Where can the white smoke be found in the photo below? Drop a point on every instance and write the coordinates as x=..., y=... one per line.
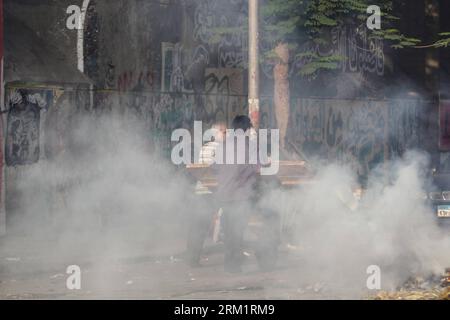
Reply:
x=108, y=196
x=114, y=196
x=392, y=226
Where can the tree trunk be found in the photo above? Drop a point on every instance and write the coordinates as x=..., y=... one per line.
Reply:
x=281, y=90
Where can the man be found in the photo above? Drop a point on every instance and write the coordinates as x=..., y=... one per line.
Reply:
x=202, y=215
x=208, y=151
x=236, y=190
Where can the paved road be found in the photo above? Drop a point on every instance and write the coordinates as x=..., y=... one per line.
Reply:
x=164, y=277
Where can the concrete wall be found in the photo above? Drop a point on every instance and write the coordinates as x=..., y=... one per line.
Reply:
x=2, y=180
x=359, y=133
x=171, y=75
x=163, y=64
x=43, y=90
x=47, y=20
x=40, y=122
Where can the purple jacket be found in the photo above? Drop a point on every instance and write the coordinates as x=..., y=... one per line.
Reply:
x=236, y=182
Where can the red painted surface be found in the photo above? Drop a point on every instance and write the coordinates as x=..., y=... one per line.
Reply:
x=1, y=31
x=2, y=205
x=444, y=125
x=254, y=117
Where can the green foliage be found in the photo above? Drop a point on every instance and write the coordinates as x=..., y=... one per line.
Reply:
x=444, y=42
x=319, y=63
x=299, y=21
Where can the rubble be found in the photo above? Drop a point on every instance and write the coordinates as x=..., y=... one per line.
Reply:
x=418, y=288
x=434, y=294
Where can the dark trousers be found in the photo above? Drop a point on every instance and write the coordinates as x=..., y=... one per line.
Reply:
x=199, y=225
x=235, y=220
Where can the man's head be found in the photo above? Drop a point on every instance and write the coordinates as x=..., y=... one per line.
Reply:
x=220, y=129
x=242, y=122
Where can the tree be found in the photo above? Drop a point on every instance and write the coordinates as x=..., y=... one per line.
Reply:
x=289, y=23
x=443, y=42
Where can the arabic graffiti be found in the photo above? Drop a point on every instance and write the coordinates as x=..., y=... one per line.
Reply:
x=359, y=53
x=362, y=133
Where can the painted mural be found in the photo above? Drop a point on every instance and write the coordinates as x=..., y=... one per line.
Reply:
x=23, y=126
x=39, y=121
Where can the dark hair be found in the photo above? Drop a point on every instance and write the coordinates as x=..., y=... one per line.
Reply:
x=241, y=122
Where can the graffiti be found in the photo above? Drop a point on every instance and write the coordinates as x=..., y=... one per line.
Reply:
x=353, y=132
x=405, y=118
x=209, y=18
x=232, y=48
x=23, y=123
x=204, y=21
x=183, y=68
x=196, y=68
x=177, y=77
x=183, y=71
x=360, y=54
x=130, y=80
x=164, y=112
x=361, y=133
x=224, y=81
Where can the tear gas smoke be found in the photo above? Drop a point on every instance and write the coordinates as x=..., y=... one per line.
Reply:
x=392, y=226
x=113, y=195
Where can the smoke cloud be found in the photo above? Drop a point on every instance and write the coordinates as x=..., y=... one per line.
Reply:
x=392, y=225
x=113, y=196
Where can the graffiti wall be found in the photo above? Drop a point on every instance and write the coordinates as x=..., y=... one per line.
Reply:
x=162, y=113
x=362, y=133
x=352, y=132
x=189, y=71
x=39, y=123
x=23, y=126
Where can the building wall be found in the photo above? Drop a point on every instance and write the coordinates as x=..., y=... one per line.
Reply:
x=2, y=181
x=40, y=122
x=47, y=19
x=161, y=62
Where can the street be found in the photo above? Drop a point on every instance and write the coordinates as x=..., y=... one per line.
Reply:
x=166, y=276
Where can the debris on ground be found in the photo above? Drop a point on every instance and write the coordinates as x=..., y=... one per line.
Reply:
x=435, y=294
x=418, y=288
x=446, y=278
